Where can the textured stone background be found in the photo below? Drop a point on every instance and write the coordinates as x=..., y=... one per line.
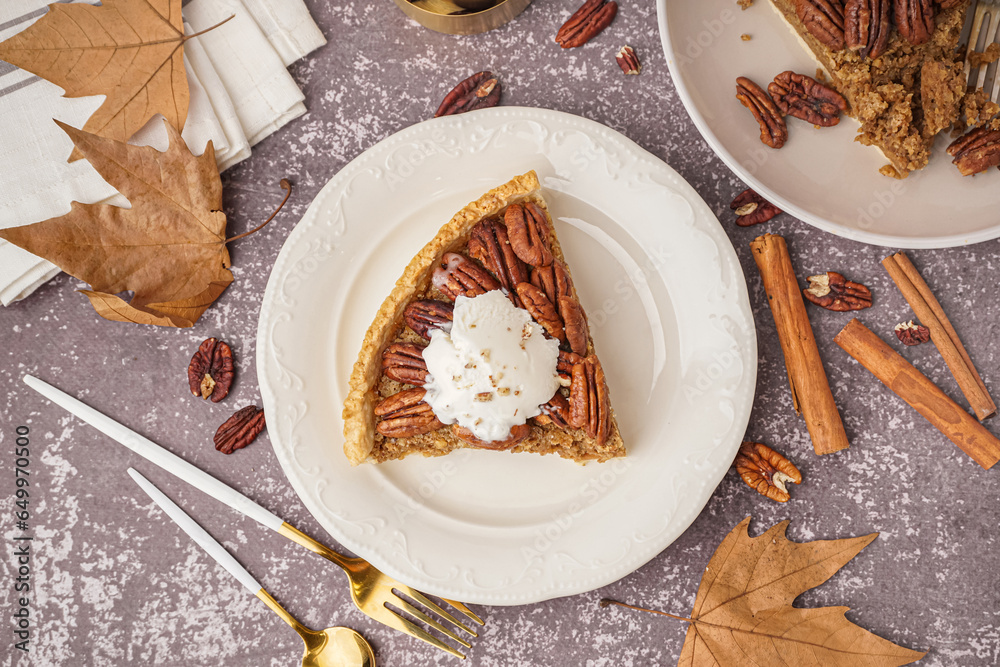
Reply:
x=114, y=585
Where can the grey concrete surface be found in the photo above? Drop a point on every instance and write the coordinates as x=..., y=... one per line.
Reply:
x=112, y=584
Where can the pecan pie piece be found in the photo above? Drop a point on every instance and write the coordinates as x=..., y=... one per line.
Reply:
x=502, y=241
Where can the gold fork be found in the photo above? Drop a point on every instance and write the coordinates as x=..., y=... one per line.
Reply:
x=983, y=30
x=373, y=593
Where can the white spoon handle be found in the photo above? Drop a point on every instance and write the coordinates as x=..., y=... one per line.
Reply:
x=153, y=453
x=197, y=533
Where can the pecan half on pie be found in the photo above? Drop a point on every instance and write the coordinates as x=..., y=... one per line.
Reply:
x=483, y=344
x=896, y=62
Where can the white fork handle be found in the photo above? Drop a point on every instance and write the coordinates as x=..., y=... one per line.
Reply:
x=197, y=533
x=153, y=453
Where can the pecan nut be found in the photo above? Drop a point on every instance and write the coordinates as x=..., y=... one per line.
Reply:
x=867, y=26
x=977, y=151
x=422, y=316
x=806, y=98
x=210, y=373
x=752, y=209
x=404, y=362
x=773, y=131
x=553, y=279
x=766, y=471
x=542, y=310
x=528, y=232
x=479, y=91
x=824, y=19
x=627, y=60
x=239, y=430
x=832, y=291
x=457, y=275
x=566, y=362
x=574, y=324
x=405, y=414
x=556, y=411
x=914, y=20
x=910, y=333
x=489, y=243
x=518, y=432
x=589, y=400
x=586, y=22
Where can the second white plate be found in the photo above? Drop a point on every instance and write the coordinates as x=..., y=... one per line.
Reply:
x=668, y=310
x=821, y=176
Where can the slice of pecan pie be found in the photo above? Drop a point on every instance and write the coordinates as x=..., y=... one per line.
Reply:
x=497, y=262
x=898, y=64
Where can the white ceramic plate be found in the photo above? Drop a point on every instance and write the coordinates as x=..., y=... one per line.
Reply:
x=821, y=176
x=669, y=313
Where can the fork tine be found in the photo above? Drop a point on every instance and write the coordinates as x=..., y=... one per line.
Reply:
x=407, y=607
x=430, y=604
x=398, y=622
x=465, y=610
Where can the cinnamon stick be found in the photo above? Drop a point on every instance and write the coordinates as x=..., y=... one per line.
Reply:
x=811, y=393
x=928, y=310
x=920, y=393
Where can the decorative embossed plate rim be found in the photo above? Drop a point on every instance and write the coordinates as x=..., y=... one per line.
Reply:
x=822, y=177
x=670, y=316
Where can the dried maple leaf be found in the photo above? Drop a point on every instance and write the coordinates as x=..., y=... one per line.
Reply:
x=168, y=249
x=129, y=50
x=743, y=613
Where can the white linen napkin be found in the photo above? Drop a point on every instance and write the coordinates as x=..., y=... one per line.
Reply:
x=240, y=94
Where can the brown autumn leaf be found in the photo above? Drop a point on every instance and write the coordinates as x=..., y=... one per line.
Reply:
x=129, y=50
x=743, y=613
x=168, y=249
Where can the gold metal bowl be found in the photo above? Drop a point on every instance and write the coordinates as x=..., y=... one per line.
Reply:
x=437, y=14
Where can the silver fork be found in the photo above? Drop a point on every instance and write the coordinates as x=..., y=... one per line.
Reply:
x=982, y=29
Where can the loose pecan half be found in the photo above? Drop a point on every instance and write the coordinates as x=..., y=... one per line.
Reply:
x=910, y=333
x=766, y=471
x=867, y=26
x=404, y=362
x=805, y=98
x=422, y=316
x=752, y=209
x=528, y=231
x=541, y=310
x=824, y=19
x=405, y=414
x=589, y=400
x=479, y=91
x=832, y=291
x=457, y=275
x=593, y=17
x=239, y=430
x=518, y=432
x=977, y=151
x=210, y=373
x=574, y=324
x=627, y=60
x=914, y=20
x=488, y=243
x=773, y=130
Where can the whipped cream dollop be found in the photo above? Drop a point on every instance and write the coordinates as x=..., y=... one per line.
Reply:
x=492, y=369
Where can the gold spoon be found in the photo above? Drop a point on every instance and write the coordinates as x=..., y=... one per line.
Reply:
x=332, y=647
